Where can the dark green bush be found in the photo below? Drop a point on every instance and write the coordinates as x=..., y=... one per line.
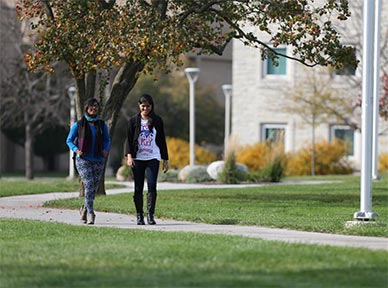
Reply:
x=272, y=172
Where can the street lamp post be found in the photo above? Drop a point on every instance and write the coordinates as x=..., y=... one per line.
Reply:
x=227, y=89
x=192, y=75
x=71, y=92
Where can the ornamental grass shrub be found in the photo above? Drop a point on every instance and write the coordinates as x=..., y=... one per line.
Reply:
x=179, y=153
x=383, y=162
x=272, y=172
x=330, y=158
x=261, y=155
x=230, y=173
x=266, y=161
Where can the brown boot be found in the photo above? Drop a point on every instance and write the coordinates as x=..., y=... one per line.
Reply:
x=91, y=218
x=83, y=213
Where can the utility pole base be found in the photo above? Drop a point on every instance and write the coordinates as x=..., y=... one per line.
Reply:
x=350, y=224
x=365, y=216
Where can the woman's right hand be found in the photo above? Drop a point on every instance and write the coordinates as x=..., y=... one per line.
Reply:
x=130, y=161
x=79, y=152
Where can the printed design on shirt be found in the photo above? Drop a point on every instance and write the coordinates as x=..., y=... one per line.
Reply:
x=145, y=139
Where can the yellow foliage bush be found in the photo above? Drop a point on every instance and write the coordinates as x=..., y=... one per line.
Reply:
x=253, y=156
x=257, y=156
x=329, y=159
x=383, y=162
x=179, y=153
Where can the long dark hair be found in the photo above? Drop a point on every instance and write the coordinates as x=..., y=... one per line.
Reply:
x=90, y=102
x=144, y=99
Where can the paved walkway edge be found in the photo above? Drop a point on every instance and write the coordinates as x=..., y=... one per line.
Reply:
x=30, y=207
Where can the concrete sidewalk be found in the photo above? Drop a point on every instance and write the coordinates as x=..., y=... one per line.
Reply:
x=30, y=207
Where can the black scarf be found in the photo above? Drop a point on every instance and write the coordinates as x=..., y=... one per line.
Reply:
x=85, y=136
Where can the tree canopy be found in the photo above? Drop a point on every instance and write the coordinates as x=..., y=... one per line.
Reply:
x=99, y=34
x=134, y=36
x=140, y=36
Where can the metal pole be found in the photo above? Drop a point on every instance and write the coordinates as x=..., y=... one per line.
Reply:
x=71, y=92
x=192, y=124
x=192, y=75
x=376, y=90
x=227, y=89
x=367, y=99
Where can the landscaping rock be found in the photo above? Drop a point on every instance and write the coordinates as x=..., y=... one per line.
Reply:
x=123, y=173
x=215, y=168
x=193, y=174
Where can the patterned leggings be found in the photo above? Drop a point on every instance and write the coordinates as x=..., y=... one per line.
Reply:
x=90, y=173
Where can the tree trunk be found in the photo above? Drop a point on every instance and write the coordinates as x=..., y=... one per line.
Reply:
x=313, y=150
x=28, y=150
x=81, y=187
x=123, y=83
x=101, y=187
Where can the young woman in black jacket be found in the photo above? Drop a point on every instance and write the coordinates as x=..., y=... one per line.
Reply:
x=146, y=147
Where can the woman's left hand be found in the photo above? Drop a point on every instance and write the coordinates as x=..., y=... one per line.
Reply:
x=165, y=166
x=104, y=153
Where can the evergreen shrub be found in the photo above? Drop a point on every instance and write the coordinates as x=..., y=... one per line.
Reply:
x=230, y=173
x=272, y=172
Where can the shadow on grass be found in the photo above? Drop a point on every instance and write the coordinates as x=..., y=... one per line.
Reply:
x=116, y=275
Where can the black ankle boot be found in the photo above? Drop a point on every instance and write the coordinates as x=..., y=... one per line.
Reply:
x=140, y=219
x=150, y=219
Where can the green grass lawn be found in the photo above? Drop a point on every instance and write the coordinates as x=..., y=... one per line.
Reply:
x=37, y=254
x=320, y=208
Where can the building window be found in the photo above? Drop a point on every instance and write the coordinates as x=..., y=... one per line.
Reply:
x=343, y=133
x=346, y=71
x=273, y=133
x=281, y=67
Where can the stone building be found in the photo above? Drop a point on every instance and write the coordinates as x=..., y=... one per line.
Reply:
x=259, y=89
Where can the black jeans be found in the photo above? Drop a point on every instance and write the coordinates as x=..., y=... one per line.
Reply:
x=151, y=167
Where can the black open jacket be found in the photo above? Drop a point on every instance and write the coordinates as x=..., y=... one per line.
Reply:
x=133, y=131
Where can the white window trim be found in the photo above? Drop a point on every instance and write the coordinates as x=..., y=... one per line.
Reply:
x=273, y=76
x=273, y=126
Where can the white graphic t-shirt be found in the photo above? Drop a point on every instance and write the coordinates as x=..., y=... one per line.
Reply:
x=147, y=146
